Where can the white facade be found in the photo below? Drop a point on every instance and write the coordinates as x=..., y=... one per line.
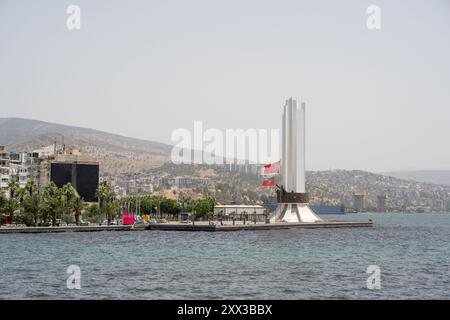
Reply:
x=239, y=209
x=4, y=169
x=21, y=167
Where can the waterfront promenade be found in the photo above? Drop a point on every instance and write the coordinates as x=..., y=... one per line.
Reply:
x=198, y=226
x=10, y=229
x=239, y=226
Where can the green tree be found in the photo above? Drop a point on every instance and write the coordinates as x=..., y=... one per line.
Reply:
x=106, y=196
x=49, y=197
x=170, y=207
x=11, y=206
x=69, y=192
x=31, y=188
x=205, y=206
x=55, y=207
x=187, y=203
x=92, y=213
x=67, y=218
x=148, y=204
x=265, y=214
x=34, y=206
x=13, y=187
x=78, y=206
x=111, y=210
x=2, y=205
x=56, y=202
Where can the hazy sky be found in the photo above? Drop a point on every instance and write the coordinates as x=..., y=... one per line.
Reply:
x=377, y=100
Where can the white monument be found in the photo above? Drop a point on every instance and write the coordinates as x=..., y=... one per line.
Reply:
x=291, y=195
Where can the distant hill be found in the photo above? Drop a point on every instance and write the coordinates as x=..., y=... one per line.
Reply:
x=432, y=176
x=332, y=187
x=116, y=153
x=402, y=194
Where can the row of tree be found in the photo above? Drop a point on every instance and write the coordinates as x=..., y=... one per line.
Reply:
x=163, y=207
x=32, y=207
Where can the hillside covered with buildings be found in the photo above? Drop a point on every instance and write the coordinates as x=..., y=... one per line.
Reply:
x=142, y=167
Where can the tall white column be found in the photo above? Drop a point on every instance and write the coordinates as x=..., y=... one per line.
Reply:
x=301, y=146
x=293, y=146
x=288, y=171
x=283, y=149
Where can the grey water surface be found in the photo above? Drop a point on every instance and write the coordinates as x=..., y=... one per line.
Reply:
x=411, y=250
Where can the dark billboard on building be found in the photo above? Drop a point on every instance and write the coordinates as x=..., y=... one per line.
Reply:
x=83, y=177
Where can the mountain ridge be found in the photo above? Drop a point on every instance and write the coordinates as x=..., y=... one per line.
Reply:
x=57, y=128
x=114, y=152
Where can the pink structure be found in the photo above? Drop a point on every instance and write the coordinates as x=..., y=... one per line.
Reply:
x=127, y=218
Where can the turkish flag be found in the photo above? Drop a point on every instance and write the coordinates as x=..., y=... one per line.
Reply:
x=273, y=168
x=269, y=183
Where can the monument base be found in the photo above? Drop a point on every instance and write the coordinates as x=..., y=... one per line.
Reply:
x=294, y=212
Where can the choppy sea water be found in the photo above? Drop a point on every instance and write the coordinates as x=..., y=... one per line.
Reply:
x=412, y=251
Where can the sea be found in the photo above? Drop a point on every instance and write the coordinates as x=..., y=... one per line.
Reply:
x=404, y=256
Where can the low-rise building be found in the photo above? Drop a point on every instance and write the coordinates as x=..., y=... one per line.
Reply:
x=81, y=171
x=238, y=212
x=360, y=201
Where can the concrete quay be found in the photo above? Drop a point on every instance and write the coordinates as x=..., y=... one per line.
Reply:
x=258, y=226
x=199, y=226
x=9, y=229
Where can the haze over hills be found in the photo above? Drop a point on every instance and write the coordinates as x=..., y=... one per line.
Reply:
x=332, y=187
x=114, y=152
x=431, y=176
x=123, y=158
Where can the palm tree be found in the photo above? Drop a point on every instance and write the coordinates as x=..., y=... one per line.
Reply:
x=11, y=206
x=2, y=205
x=265, y=214
x=13, y=187
x=77, y=207
x=21, y=195
x=31, y=188
x=105, y=195
x=69, y=192
x=111, y=210
x=55, y=208
x=50, y=197
x=34, y=205
x=93, y=213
